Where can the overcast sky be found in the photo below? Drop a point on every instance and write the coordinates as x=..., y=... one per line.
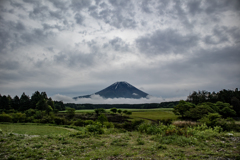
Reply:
x=70, y=48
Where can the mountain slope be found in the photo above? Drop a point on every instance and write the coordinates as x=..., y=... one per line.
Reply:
x=119, y=90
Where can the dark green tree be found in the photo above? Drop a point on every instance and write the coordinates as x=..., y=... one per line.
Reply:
x=70, y=112
x=42, y=104
x=16, y=103
x=236, y=105
x=182, y=108
x=5, y=103
x=24, y=102
x=99, y=111
x=36, y=97
x=102, y=118
x=114, y=110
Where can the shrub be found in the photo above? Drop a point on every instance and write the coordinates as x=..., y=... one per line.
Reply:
x=5, y=117
x=30, y=112
x=87, y=122
x=29, y=119
x=166, y=121
x=79, y=122
x=108, y=124
x=114, y=110
x=59, y=121
x=46, y=119
x=18, y=117
x=102, y=118
x=38, y=115
x=70, y=112
x=95, y=128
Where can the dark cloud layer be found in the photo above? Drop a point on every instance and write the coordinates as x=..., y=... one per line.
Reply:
x=166, y=48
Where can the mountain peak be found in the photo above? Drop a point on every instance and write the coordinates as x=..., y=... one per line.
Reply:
x=119, y=89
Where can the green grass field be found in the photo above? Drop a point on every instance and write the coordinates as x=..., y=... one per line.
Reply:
x=113, y=144
x=154, y=115
x=32, y=129
x=132, y=110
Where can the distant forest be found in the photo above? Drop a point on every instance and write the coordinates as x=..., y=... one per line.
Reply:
x=225, y=96
x=39, y=101
x=132, y=106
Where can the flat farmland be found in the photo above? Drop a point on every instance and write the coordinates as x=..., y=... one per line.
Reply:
x=154, y=115
x=132, y=110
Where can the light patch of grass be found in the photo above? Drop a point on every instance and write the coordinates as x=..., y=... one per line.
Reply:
x=132, y=110
x=154, y=115
x=33, y=129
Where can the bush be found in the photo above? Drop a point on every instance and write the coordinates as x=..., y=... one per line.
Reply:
x=79, y=122
x=38, y=115
x=5, y=117
x=30, y=112
x=18, y=117
x=166, y=121
x=108, y=124
x=95, y=128
x=87, y=122
x=102, y=118
x=46, y=119
x=59, y=121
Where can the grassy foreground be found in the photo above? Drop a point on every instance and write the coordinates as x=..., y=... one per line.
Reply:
x=113, y=144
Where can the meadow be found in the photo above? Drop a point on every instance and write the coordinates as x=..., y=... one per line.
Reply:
x=58, y=142
x=132, y=110
x=87, y=139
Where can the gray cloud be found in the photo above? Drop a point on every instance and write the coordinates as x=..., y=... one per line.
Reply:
x=117, y=44
x=77, y=5
x=166, y=41
x=120, y=16
x=79, y=18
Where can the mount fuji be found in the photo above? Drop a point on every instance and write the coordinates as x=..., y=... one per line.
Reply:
x=119, y=90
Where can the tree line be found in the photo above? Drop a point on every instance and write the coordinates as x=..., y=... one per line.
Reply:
x=38, y=101
x=130, y=106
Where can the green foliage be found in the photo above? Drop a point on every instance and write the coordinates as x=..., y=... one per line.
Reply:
x=70, y=112
x=214, y=120
x=140, y=141
x=5, y=117
x=167, y=121
x=182, y=108
x=30, y=112
x=125, y=111
x=79, y=122
x=38, y=115
x=114, y=110
x=18, y=117
x=102, y=118
x=236, y=105
x=119, y=111
x=129, y=113
x=59, y=121
x=99, y=111
x=199, y=111
x=95, y=128
x=108, y=124
x=211, y=119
